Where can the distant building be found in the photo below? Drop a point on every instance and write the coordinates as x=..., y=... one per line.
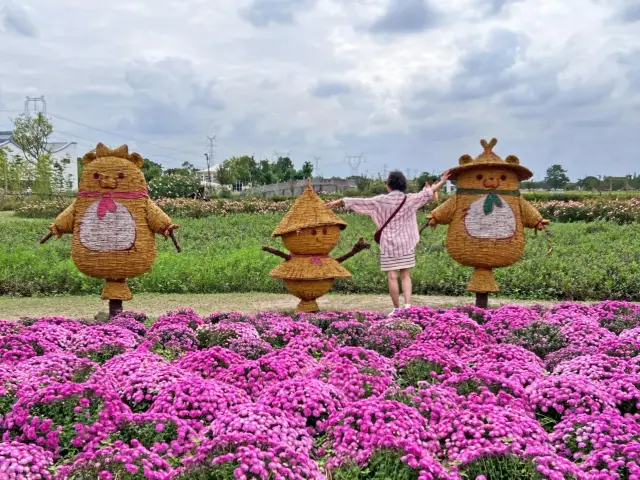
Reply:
x=57, y=150
x=203, y=176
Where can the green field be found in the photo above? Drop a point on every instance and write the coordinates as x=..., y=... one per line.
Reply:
x=222, y=254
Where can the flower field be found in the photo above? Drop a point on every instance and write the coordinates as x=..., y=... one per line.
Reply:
x=510, y=393
x=587, y=209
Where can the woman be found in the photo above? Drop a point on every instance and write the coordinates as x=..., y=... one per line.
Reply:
x=400, y=237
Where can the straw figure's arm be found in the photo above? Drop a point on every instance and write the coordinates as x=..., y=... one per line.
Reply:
x=159, y=222
x=357, y=248
x=531, y=218
x=277, y=253
x=443, y=214
x=62, y=224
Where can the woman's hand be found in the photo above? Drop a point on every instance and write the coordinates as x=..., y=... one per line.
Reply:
x=334, y=203
x=443, y=180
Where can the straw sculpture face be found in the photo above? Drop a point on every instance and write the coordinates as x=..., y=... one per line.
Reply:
x=313, y=241
x=489, y=178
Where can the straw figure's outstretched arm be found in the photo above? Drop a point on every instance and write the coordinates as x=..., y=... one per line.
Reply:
x=443, y=214
x=159, y=222
x=62, y=224
x=277, y=253
x=531, y=218
x=357, y=248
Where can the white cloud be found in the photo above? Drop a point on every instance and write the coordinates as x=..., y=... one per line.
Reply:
x=410, y=84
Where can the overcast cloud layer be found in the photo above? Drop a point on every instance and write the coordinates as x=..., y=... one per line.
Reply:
x=409, y=83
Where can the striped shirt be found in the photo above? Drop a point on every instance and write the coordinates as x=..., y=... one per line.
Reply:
x=401, y=236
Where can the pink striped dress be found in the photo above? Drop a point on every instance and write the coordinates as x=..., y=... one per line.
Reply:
x=399, y=238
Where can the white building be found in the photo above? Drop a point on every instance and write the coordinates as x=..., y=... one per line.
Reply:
x=57, y=150
x=203, y=176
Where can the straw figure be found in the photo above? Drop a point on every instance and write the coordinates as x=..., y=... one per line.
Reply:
x=113, y=222
x=487, y=216
x=310, y=231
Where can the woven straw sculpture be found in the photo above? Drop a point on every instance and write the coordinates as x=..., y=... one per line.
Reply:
x=487, y=215
x=113, y=221
x=310, y=231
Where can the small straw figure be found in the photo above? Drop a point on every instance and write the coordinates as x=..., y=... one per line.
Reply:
x=310, y=231
x=113, y=222
x=487, y=216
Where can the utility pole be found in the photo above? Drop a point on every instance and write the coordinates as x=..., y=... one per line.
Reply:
x=354, y=162
x=210, y=158
x=36, y=100
x=384, y=172
x=317, y=166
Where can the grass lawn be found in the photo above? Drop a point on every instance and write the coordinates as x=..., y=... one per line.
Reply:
x=12, y=308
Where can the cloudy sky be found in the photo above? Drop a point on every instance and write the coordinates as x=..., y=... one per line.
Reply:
x=412, y=84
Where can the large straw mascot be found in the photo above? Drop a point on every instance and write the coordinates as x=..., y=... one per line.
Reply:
x=487, y=215
x=113, y=221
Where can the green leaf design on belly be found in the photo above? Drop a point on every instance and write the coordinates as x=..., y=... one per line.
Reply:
x=491, y=201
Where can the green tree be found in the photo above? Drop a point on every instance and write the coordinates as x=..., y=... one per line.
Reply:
x=151, y=170
x=223, y=173
x=4, y=169
x=43, y=175
x=284, y=169
x=589, y=183
x=556, y=177
x=31, y=135
x=60, y=181
x=267, y=173
x=306, y=171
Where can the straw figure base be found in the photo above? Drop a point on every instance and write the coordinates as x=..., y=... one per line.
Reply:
x=483, y=281
x=116, y=289
x=308, y=291
x=115, y=308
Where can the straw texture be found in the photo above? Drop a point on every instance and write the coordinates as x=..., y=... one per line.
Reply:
x=489, y=159
x=486, y=216
x=113, y=221
x=308, y=211
x=310, y=231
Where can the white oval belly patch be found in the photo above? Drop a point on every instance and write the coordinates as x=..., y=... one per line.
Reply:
x=498, y=224
x=115, y=231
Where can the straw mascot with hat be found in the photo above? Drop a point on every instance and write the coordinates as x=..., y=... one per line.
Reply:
x=487, y=215
x=310, y=231
x=113, y=222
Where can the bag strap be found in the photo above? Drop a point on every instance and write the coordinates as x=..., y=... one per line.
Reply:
x=404, y=200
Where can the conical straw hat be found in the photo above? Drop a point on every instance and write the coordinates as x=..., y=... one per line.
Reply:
x=308, y=211
x=489, y=159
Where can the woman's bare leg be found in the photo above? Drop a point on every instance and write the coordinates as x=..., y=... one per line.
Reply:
x=394, y=290
x=407, y=286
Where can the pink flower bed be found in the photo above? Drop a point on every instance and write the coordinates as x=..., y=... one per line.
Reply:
x=465, y=393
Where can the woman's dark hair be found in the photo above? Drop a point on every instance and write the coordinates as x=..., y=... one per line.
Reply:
x=397, y=181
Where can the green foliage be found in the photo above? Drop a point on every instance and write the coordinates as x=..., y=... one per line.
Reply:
x=6, y=403
x=67, y=413
x=498, y=467
x=31, y=135
x=177, y=183
x=419, y=371
x=383, y=465
x=223, y=255
x=538, y=337
x=145, y=432
x=245, y=169
x=151, y=170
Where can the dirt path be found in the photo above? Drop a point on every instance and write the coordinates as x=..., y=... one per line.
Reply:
x=13, y=308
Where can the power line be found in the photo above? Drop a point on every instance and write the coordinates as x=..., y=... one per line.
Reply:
x=65, y=119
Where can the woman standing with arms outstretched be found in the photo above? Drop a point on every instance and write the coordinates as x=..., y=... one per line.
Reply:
x=395, y=213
